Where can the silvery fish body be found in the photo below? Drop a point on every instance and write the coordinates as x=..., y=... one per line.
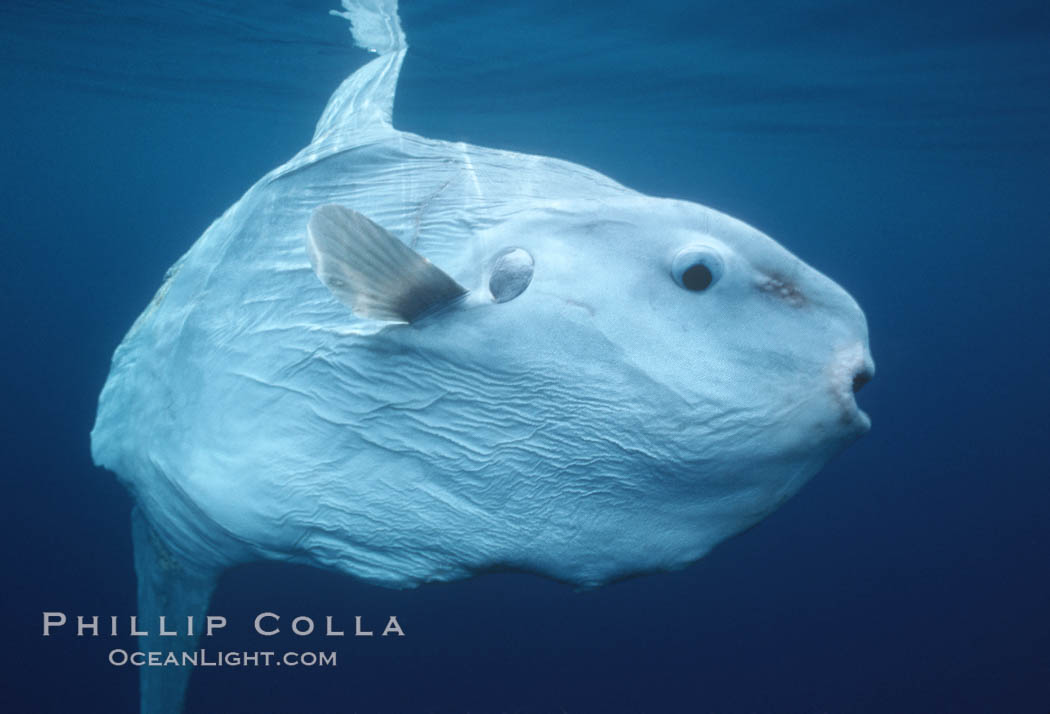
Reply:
x=411, y=361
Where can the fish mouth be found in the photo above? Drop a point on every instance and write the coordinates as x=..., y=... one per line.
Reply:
x=850, y=370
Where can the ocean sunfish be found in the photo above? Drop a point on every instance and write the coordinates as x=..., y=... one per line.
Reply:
x=413, y=361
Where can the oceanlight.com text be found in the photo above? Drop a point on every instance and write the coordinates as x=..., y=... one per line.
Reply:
x=205, y=658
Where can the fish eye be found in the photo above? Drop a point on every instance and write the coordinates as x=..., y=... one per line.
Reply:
x=511, y=274
x=696, y=268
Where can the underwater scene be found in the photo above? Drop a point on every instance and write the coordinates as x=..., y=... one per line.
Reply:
x=437, y=356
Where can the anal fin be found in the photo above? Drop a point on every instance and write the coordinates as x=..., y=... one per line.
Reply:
x=166, y=587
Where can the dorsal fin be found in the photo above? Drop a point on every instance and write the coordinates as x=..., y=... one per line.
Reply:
x=366, y=98
x=373, y=272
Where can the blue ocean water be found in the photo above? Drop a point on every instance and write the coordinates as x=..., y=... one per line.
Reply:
x=902, y=150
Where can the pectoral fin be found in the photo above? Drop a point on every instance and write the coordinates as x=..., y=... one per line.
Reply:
x=373, y=272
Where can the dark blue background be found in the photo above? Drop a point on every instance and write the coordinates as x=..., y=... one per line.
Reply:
x=903, y=151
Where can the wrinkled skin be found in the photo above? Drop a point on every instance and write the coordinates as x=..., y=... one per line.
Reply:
x=605, y=422
x=615, y=417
